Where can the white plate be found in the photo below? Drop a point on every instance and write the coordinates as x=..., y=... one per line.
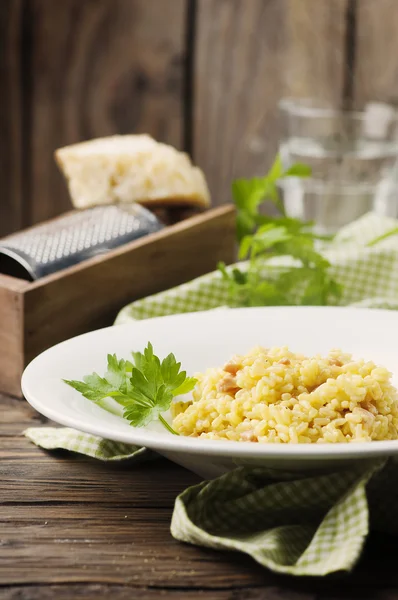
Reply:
x=206, y=339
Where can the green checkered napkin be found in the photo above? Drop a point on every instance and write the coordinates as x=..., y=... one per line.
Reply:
x=301, y=523
x=54, y=438
x=369, y=275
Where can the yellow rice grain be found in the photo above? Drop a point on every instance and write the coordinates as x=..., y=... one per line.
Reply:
x=283, y=397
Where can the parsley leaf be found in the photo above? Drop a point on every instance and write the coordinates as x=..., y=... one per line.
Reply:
x=144, y=388
x=93, y=387
x=263, y=237
x=248, y=194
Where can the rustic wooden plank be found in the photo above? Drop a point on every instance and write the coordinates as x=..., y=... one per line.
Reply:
x=376, y=51
x=78, y=528
x=100, y=67
x=11, y=153
x=11, y=332
x=150, y=557
x=315, y=59
x=65, y=518
x=119, y=592
x=17, y=416
x=248, y=56
x=55, y=477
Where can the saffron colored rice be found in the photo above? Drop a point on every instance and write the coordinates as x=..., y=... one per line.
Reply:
x=276, y=396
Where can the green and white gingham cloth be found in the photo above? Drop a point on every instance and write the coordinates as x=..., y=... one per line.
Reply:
x=294, y=523
x=369, y=275
x=65, y=438
x=290, y=523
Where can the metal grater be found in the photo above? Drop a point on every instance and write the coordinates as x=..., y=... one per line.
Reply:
x=72, y=238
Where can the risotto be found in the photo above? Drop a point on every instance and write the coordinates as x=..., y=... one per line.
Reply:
x=276, y=396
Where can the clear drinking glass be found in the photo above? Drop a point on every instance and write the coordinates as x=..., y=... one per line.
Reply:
x=352, y=156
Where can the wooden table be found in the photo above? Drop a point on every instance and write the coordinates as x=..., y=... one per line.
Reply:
x=73, y=527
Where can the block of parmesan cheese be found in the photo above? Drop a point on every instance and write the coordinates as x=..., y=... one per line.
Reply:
x=131, y=168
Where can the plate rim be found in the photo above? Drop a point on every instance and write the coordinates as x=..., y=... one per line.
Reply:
x=220, y=448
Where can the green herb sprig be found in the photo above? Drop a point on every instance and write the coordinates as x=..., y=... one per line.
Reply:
x=262, y=238
x=143, y=388
x=384, y=236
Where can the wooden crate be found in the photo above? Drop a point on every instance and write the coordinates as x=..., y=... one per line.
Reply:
x=34, y=316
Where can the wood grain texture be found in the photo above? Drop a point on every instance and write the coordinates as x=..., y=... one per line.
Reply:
x=11, y=153
x=100, y=67
x=119, y=592
x=315, y=58
x=248, y=56
x=74, y=527
x=11, y=332
x=146, y=266
x=376, y=51
x=66, y=518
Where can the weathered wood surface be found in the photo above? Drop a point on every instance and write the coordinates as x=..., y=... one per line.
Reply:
x=73, y=527
x=11, y=115
x=248, y=56
x=11, y=332
x=99, y=67
x=376, y=52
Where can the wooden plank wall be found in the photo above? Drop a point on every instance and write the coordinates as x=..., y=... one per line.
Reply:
x=11, y=203
x=376, y=56
x=204, y=75
x=113, y=67
x=248, y=56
